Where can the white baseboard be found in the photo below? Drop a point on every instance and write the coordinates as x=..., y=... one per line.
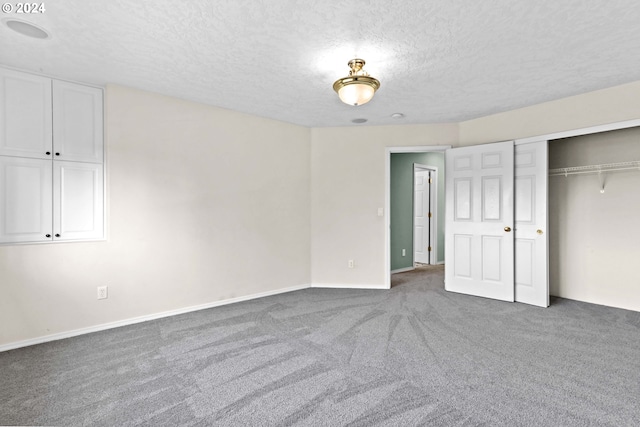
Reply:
x=350, y=286
x=134, y=320
x=402, y=270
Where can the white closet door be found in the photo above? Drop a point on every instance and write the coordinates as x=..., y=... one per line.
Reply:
x=25, y=115
x=532, y=271
x=78, y=201
x=25, y=200
x=479, y=219
x=77, y=123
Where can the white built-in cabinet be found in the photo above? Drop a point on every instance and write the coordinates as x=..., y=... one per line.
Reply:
x=51, y=160
x=26, y=196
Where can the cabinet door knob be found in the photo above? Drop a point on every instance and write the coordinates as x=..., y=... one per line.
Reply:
x=47, y=235
x=48, y=153
x=57, y=154
x=57, y=235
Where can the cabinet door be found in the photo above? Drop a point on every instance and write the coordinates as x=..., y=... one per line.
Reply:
x=25, y=115
x=78, y=211
x=77, y=123
x=25, y=200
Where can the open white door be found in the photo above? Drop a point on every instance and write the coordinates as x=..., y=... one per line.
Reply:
x=531, y=246
x=479, y=218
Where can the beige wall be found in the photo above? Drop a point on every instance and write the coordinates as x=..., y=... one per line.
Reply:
x=594, y=236
x=606, y=106
x=205, y=204
x=347, y=188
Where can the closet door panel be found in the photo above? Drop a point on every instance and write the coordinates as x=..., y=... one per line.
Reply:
x=78, y=201
x=532, y=244
x=25, y=200
x=25, y=115
x=479, y=221
x=77, y=123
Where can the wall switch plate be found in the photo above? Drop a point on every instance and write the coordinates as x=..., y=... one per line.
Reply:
x=404, y=252
x=351, y=264
x=103, y=292
x=380, y=211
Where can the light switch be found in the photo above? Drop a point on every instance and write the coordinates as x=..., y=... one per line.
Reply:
x=380, y=211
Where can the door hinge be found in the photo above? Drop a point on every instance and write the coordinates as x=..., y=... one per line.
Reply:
x=429, y=249
x=430, y=181
x=429, y=214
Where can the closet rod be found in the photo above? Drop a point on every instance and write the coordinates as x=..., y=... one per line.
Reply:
x=608, y=167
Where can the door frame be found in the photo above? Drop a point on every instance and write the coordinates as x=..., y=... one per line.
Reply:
x=433, y=203
x=579, y=132
x=387, y=197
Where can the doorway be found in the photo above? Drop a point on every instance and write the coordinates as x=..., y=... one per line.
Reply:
x=399, y=217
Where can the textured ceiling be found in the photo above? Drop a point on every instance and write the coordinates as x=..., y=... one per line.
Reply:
x=437, y=61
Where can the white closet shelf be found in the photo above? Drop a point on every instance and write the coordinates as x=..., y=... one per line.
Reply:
x=608, y=167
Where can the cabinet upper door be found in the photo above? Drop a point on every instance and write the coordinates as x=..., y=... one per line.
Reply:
x=25, y=115
x=25, y=200
x=77, y=123
x=78, y=210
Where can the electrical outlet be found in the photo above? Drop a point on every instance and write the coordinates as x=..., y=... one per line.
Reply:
x=103, y=292
x=404, y=252
x=350, y=263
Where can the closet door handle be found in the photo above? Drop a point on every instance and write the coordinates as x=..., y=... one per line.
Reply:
x=57, y=154
x=57, y=235
x=539, y=231
x=48, y=153
x=507, y=229
x=47, y=235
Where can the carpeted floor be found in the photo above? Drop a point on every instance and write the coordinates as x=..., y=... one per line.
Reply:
x=414, y=355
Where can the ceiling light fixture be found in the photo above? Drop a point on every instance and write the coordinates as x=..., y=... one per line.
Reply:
x=358, y=87
x=27, y=28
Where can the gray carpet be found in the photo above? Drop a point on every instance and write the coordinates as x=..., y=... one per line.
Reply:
x=414, y=355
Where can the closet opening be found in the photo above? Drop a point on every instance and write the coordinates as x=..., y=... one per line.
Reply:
x=593, y=218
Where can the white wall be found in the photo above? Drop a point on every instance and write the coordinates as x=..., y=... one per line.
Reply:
x=594, y=248
x=347, y=188
x=205, y=204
